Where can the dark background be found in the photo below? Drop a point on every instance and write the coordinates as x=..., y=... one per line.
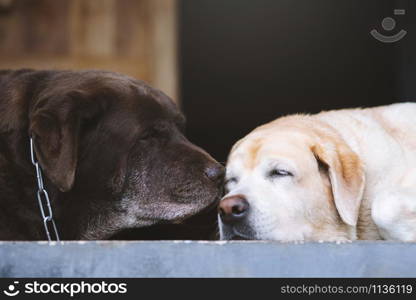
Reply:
x=246, y=62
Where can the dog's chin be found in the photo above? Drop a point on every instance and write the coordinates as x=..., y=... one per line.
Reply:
x=237, y=237
x=233, y=234
x=208, y=208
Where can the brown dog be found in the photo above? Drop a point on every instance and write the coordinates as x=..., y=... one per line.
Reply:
x=112, y=150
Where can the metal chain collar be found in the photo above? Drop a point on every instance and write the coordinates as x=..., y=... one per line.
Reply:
x=43, y=199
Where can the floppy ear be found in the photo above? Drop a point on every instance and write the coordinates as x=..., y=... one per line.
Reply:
x=55, y=126
x=346, y=174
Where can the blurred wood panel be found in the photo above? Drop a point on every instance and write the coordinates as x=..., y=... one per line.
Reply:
x=135, y=37
x=132, y=28
x=122, y=65
x=164, y=47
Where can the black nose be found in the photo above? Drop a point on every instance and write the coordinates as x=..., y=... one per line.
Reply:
x=215, y=172
x=233, y=208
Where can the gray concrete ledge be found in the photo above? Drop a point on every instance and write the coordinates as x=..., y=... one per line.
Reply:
x=207, y=259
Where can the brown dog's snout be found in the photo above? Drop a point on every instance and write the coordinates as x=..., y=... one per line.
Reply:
x=233, y=208
x=215, y=172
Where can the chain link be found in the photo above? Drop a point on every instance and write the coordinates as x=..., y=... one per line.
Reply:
x=43, y=199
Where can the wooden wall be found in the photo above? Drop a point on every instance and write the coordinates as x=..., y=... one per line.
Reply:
x=135, y=37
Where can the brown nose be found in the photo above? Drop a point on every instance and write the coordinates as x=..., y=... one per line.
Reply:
x=233, y=208
x=215, y=172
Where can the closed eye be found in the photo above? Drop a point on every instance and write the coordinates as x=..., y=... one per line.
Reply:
x=231, y=180
x=156, y=131
x=278, y=173
x=149, y=133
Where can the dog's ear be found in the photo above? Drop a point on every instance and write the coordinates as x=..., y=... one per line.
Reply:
x=346, y=174
x=55, y=127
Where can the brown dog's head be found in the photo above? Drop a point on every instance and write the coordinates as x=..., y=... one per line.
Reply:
x=114, y=149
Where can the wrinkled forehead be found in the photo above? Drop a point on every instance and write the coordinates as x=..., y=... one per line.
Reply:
x=261, y=148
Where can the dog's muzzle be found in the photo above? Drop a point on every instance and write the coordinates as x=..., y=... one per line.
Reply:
x=233, y=209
